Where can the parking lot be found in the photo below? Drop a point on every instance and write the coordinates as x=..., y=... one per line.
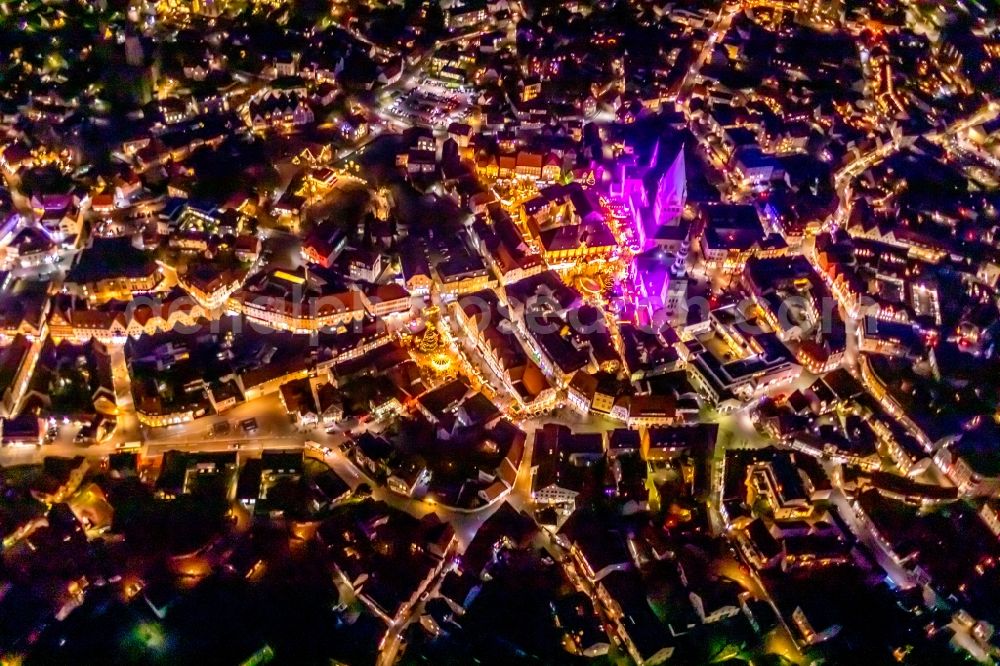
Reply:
x=433, y=102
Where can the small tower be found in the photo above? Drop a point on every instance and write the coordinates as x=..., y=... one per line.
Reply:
x=680, y=262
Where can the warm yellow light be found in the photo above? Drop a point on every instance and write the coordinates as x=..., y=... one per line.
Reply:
x=288, y=277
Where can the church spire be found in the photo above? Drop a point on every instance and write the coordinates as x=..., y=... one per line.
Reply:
x=671, y=191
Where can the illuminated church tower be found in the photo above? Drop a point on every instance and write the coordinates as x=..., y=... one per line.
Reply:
x=667, y=205
x=671, y=192
x=652, y=210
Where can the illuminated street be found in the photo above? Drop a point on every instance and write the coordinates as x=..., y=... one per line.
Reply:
x=499, y=332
